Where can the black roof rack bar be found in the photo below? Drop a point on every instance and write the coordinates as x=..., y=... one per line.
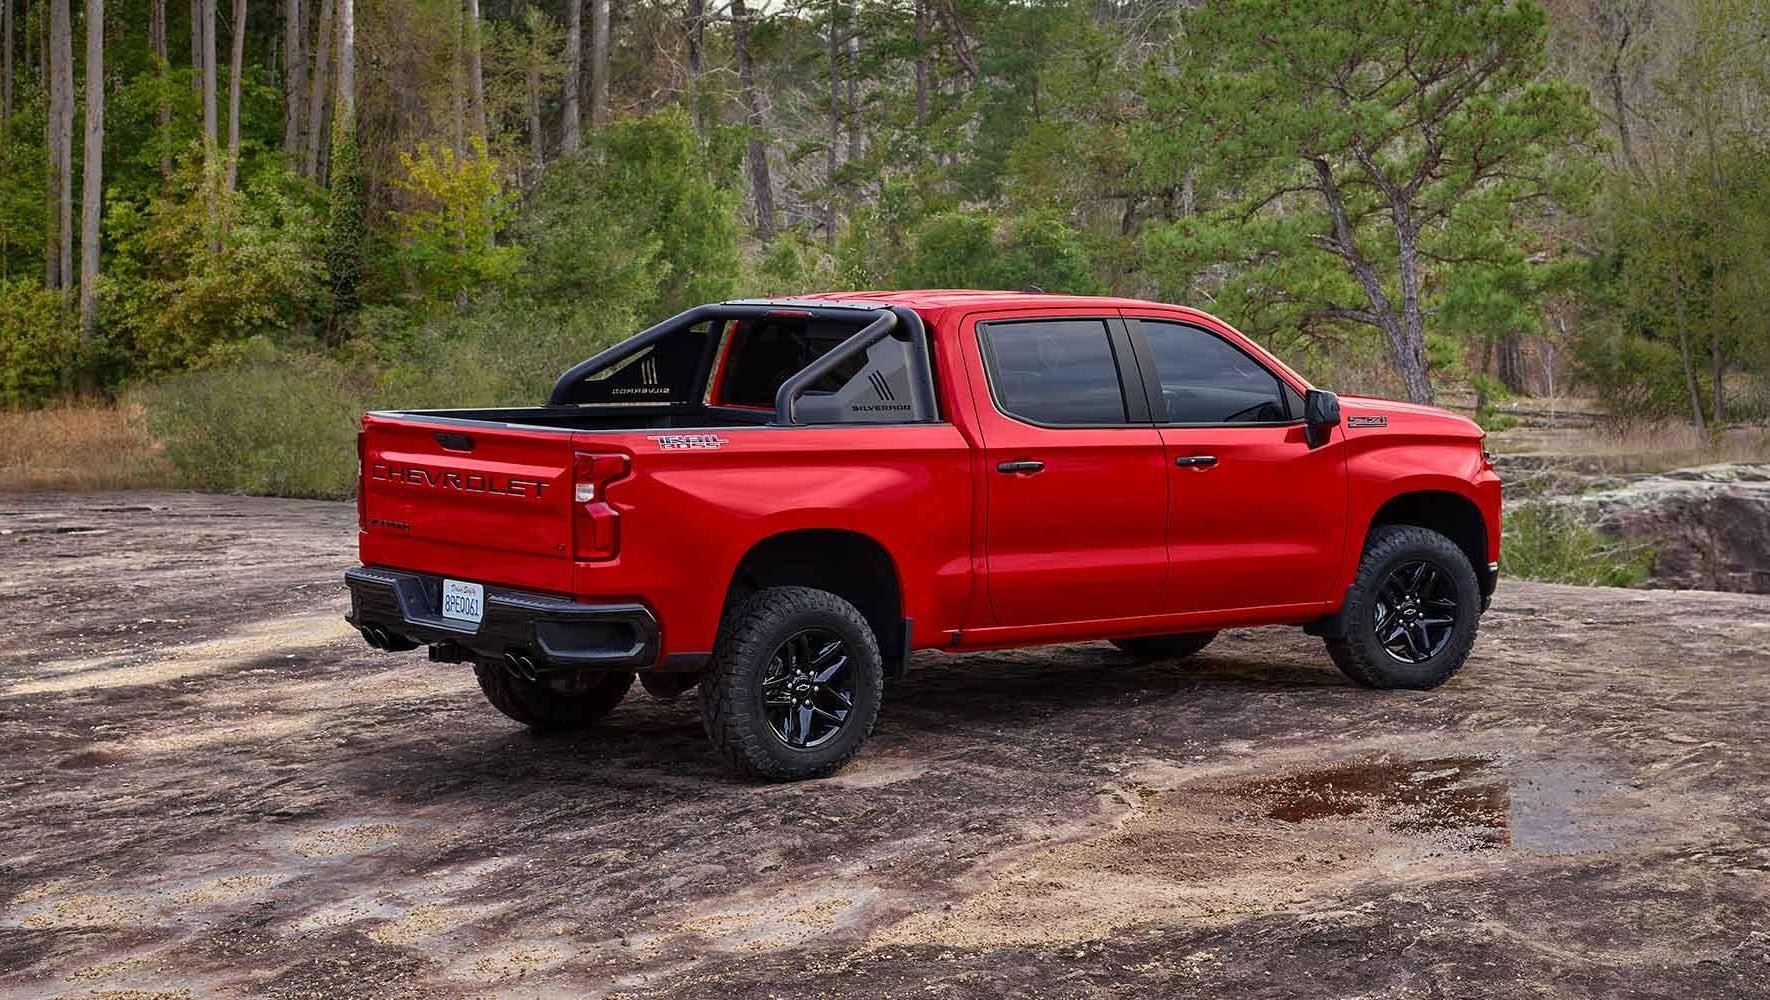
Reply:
x=753, y=309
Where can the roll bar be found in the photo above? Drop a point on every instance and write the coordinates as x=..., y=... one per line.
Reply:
x=886, y=320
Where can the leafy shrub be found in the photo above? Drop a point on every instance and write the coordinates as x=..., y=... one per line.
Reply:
x=1549, y=541
x=38, y=343
x=261, y=422
x=448, y=237
x=169, y=300
x=970, y=250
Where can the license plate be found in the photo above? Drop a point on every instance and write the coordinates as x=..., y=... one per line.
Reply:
x=463, y=601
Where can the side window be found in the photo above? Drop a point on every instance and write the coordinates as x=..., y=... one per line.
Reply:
x=1207, y=380
x=1055, y=371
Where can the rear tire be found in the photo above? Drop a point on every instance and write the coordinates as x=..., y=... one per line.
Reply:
x=794, y=685
x=547, y=708
x=1411, y=613
x=1165, y=647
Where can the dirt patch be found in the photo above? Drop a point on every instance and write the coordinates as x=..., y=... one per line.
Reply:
x=213, y=790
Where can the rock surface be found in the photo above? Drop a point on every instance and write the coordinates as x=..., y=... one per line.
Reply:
x=1708, y=527
x=212, y=789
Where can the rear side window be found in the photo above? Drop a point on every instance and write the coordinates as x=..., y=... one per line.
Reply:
x=1055, y=371
x=1207, y=380
x=873, y=387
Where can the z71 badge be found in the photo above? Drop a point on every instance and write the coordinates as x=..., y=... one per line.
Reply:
x=1367, y=421
x=688, y=442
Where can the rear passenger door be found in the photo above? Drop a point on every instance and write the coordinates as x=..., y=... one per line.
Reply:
x=1256, y=515
x=1075, y=479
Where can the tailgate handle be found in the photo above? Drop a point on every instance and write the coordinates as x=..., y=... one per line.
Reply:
x=453, y=441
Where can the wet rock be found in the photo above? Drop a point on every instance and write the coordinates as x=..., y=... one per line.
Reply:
x=1708, y=527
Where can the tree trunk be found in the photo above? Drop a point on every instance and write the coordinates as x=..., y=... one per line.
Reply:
x=476, y=87
x=6, y=69
x=346, y=112
x=761, y=187
x=458, y=85
x=91, y=185
x=1680, y=315
x=534, y=82
x=294, y=74
x=197, y=46
x=696, y=32
x=61, y=144
x=1510, y=362
x=599, y=35
x=163, y=113
x=571, y=129
x=835, y=129
x=318, y=88
x=854, y=130
x=1411, y=352
x=211, y=122
x=921, y=63
x=236, y=65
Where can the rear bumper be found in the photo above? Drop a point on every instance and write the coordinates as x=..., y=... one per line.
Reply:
x=551, y=631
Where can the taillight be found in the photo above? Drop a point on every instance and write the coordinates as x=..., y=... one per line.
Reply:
x=362, y=481
x=596, y=525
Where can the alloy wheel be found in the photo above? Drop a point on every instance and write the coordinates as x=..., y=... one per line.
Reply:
x=1415, y=611
x=808, y=691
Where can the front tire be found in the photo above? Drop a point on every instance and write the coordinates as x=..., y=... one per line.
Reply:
x=551, y=709
x=1165, y=647
x=1411, y=613
x=794, y=685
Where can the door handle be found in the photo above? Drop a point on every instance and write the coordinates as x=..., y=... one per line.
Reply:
x=1028, y=466
x=1195, y=461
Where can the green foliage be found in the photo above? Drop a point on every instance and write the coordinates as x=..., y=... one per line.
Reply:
x=1337, y=145
x=344, y=220
x=1549, y=541
x=643, y=210
x=169, y=299
x=969, y=250
x=264, y=422
x=39, y=343
x=448, y=237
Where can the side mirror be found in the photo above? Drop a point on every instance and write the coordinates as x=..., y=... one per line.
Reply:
x=1321, y=414
x=1321, y=408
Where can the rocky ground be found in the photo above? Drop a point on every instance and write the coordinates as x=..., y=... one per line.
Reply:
x=211, y=788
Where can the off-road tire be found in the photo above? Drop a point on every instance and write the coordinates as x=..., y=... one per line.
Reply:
x=1360, y=655
x=732, y=708
x=548, y=709
x=1165, y=647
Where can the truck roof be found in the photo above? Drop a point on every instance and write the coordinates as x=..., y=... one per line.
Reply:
x=929, y=299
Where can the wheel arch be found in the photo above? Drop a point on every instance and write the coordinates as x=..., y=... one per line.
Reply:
x=850, y=564
x=1447, y=512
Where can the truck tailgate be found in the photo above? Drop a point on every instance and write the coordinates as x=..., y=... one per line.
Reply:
x=479, y=501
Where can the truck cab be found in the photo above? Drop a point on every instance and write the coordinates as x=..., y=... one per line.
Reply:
x=777, y=501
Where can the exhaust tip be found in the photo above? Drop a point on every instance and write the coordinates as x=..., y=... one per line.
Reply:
x=374, y=637
x=521, y=666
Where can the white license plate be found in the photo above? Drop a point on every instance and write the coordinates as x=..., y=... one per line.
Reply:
x=463, y=601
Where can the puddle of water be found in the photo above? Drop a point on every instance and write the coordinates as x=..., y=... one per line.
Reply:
x=1457, y=796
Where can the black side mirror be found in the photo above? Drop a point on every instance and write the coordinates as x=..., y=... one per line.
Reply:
x=1321, y=414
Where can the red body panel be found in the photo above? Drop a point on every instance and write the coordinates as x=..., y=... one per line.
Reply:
x=1110, y=539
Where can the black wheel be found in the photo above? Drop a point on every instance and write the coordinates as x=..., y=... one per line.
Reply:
x=1165, y=647
x=570, y=702
x=793, y=688
x=1411, y=614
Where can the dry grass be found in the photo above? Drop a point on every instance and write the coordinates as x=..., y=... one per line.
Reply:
x=1617, y=448
x=80, y=446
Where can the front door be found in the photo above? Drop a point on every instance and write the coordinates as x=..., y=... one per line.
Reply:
x=1256, y=512
x=1076, y=479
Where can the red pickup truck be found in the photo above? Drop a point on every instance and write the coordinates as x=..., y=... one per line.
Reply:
x=780, y=500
